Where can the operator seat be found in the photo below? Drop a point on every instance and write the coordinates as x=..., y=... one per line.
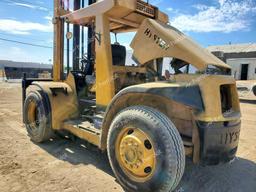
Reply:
x=118, y=54
x=79, y=77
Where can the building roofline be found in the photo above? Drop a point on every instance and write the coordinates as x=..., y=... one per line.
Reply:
x=234, y=48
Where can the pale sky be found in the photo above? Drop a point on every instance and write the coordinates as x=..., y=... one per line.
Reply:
x=212, y=22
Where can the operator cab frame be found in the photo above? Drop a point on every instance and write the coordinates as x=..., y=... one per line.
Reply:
x=107, y=17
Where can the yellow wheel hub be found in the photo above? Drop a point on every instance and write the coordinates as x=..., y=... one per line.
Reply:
x=32, y=115
x=135, y=154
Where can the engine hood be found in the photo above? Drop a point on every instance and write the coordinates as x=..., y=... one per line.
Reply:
x=156, y=40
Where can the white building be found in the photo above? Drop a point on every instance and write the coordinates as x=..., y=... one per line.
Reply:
x=241, y=57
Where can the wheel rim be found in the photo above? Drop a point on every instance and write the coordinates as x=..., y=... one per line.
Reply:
x=33, y=115
x=135, y=154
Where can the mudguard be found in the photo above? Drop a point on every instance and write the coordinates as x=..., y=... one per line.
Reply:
x=187, y=95
x=164, y=96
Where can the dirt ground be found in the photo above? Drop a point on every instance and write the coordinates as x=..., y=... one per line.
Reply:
x=65, y=165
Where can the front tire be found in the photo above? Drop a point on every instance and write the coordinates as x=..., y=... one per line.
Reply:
x=145, y=150
x=37, y=117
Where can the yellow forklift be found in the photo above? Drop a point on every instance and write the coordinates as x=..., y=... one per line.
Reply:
x=147, y=122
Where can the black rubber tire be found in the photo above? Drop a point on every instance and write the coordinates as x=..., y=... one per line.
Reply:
x=170, y=159
x=42, y=131
x=254, y=90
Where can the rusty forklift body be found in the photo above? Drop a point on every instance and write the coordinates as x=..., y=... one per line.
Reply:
x=203, y=107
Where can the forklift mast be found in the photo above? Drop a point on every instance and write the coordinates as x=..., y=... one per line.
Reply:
x=100, y=19
x=59, y=28
x=90, y=45
x=58, y=51
x=76, y=39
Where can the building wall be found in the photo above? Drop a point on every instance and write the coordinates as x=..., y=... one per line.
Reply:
x=236, y=65
x=17, y=73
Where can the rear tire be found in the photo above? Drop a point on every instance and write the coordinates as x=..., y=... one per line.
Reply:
x=37, y=117
x=254, y=90
x=165, y=140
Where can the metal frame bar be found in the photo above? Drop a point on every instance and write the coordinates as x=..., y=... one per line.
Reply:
x=68, y=44
x=58, y=42
x=76, y=39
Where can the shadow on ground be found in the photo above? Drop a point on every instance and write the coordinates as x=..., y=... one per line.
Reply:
x=77, y=152
x=238, y=176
